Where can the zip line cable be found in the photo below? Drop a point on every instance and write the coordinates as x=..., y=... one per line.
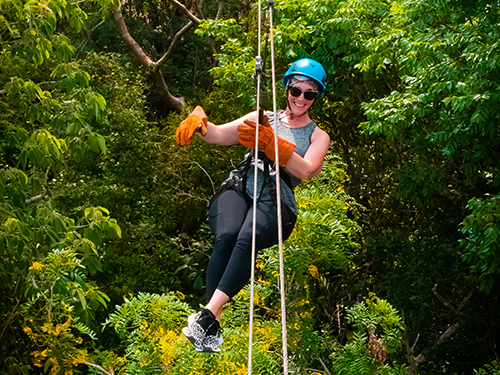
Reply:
x=258, y=71
x=278, y=200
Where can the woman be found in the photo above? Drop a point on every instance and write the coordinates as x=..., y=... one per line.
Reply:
x=302, y=147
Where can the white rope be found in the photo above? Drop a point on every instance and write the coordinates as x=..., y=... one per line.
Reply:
x=278, y=197
x=258, y=70
x=278, y=201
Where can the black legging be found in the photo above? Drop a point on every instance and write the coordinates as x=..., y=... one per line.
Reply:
x=230, y=218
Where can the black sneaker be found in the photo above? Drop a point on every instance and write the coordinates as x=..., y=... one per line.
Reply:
x=198, y=325
x=212, y=339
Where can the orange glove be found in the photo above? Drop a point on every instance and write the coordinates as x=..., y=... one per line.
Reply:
x=266, y=140
x=197, y=121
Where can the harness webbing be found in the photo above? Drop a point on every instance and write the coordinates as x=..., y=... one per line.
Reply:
x=258, y=70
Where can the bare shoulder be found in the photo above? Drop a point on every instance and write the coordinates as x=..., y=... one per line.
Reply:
x=320, y=136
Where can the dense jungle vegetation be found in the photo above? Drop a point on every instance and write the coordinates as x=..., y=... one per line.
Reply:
x=394, y=264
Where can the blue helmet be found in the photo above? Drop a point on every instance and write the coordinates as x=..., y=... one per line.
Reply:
x=308, y=68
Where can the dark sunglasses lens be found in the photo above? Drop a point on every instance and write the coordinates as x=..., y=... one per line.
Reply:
x=295, y=91
x=309, y=95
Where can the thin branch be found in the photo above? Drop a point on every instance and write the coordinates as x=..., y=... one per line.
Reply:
x=172, y=102
x=219, y=10
x=412, y=349
x=324, y=366
x=466, y=299
x=96, y=26
x=172, y=45
x=35, y=198
x=439, y=297
x=199, y=7
x=213, y=187
x=10, y=318
x=186, y=11
x=192, y=196
x=99, y=368
x=448, y=333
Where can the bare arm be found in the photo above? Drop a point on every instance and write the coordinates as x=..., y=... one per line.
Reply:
x=311, y=164
x=301, y=167
x=226, y=134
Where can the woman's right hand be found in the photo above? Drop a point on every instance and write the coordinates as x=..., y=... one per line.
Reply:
x=266, y=140
x=197, y=121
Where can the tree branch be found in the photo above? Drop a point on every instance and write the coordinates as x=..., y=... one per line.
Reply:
x=127, y=38
x=171, y=101
x=219, y=10
x=439, y=297
x=466, y=299
x=186, y=11
x=98, y=368
x=35, y=198
x=415, y=361
x=324, y=366
x=177, y=36
x=199, y=7
x=9, y=319
x=447, y=334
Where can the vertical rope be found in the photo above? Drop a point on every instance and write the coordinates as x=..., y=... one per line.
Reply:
x=278, y=202
x=258, y=71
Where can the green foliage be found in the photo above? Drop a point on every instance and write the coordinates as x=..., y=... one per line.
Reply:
x=150, y=327
x=378, y=331
x=377, y=315
x=489, y=369
x=481, y=246
x=318, y=255
x=61, y=303
x=324, y=237
x=46, y=254
x=231, y=71
x=446, y=100
x=410, y=106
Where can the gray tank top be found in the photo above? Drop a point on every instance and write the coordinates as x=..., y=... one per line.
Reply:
x=301, y=137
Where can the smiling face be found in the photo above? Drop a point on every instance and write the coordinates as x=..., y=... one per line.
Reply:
x=299, y=105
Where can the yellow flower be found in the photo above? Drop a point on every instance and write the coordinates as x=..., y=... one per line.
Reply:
x=305, y=315
x=180, y=295
x=61, y=327
x=313, y=270
x=37, y=266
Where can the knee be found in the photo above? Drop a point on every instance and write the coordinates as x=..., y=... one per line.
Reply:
x=225, y=240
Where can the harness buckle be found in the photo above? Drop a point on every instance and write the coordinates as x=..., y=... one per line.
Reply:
x=258, y=65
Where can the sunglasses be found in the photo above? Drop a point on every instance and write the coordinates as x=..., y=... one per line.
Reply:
x=308, y=95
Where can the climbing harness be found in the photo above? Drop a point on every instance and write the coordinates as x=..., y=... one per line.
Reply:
x=277, y=195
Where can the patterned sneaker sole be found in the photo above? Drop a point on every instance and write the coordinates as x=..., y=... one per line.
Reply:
x=211, y=344
x=195, y=335
x=208, y=349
